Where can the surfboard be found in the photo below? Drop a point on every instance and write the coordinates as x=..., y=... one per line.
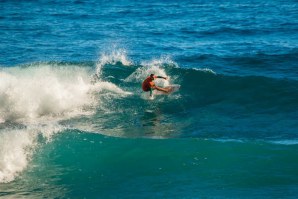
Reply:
x=172, y=88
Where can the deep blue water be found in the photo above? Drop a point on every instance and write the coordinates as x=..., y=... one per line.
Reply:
x=74, y=122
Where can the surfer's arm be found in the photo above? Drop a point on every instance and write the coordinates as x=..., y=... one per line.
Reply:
x=161, y=77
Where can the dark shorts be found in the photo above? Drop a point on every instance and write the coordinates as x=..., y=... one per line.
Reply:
x=150, y=90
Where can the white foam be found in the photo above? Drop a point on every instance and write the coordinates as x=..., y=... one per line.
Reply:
x=111, y=88
x=14, y=154
x=17, y=147
x=164, y=60
x=42, y=92
x=285, y=142
x=224, y=140
x=152, y=67
x=31, y=93
x=208, y=70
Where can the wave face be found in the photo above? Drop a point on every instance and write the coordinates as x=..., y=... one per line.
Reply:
x=38, y=100
x=45, y=90
x=234, y=106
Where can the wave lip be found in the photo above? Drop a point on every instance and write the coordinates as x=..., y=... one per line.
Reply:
x=114, y=57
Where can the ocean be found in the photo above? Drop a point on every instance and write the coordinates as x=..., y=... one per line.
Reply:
x=75, y=123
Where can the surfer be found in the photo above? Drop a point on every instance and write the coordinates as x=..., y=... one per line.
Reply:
x=149, y=85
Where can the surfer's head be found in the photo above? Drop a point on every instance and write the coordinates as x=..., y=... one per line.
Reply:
x=152, y=76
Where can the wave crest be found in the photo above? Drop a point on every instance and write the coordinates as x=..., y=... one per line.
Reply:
x=114, y=57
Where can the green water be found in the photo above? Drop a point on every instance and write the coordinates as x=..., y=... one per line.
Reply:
x=79, y=164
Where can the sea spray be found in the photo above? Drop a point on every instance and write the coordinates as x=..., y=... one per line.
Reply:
x=31, y=93
x=113, y=57
x=155, y=66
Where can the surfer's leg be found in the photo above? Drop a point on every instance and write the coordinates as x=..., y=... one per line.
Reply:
x=162, y=89
x=151, y=91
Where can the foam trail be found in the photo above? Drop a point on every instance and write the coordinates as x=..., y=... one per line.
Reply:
x=111, y=88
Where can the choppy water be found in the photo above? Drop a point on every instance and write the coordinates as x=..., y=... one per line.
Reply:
x=74, y=122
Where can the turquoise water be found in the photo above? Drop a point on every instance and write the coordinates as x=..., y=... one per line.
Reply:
x=79, y=164
x=74, y=122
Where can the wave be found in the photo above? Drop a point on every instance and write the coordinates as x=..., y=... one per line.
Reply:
x=286, y=142
x=258, y=63
x=258, y=58
x=41, y=99
x=240, y=90
x=62, y=91
x=43, y=90
x=57, y=90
